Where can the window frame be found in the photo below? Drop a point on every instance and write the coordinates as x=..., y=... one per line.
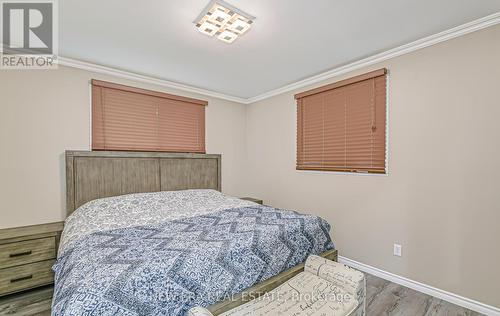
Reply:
x=339, y=84
x=95, y=83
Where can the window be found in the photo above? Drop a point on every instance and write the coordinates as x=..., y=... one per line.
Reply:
x=342, y=126
x=127, y=118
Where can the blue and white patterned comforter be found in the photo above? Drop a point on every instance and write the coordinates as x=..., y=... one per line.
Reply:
x=165, y=268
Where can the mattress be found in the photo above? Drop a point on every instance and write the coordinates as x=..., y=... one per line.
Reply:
x=162, y=253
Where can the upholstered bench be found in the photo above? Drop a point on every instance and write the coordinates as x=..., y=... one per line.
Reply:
x=324, y=288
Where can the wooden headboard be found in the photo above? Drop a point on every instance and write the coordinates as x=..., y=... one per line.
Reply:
x=96, y=174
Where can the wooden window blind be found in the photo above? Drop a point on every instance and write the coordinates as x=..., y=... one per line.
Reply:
x=127, y=118
x=342, y=126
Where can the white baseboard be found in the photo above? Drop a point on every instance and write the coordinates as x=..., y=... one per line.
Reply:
x=423, y=288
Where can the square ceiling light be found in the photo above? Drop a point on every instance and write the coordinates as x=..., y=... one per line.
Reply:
x=222, y=20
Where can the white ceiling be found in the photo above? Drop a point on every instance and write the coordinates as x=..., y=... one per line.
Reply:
x=290, y=40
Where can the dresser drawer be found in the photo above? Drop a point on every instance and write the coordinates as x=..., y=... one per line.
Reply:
x=26, y=276
x=28, y=251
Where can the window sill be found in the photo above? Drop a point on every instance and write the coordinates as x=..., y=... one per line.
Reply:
x=363, y=174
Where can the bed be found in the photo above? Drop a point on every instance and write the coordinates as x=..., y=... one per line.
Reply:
x=151, y=234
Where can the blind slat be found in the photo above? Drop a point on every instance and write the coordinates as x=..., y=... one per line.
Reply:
x=343, y=129
x=125, y=118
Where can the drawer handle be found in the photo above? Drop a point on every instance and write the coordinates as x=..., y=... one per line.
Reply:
x=19, y=254
x=22, y=278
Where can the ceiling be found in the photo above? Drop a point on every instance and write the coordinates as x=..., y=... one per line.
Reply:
x=289, y=41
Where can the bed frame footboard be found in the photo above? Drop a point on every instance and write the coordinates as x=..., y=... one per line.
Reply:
x=263, y=287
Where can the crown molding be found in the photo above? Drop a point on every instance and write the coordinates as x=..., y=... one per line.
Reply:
x=68, y=62
x=460, y=30
x=452, y=33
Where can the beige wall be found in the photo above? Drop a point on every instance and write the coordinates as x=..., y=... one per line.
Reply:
x=441, y=199
x=43, y=113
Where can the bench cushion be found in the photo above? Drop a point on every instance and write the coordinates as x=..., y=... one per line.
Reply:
x=348, y=279
x=324, y=288
x=301, y=295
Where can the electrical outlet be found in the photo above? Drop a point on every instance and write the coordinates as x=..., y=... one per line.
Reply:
x=397, y=250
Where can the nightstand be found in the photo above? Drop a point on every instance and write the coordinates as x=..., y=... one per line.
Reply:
x=27, y=255
x=258, y=201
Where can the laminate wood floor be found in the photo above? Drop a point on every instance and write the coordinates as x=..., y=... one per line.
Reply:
x=383, y=298
x=390, y=299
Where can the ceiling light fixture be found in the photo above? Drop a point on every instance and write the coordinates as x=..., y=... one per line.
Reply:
x=222, y=20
